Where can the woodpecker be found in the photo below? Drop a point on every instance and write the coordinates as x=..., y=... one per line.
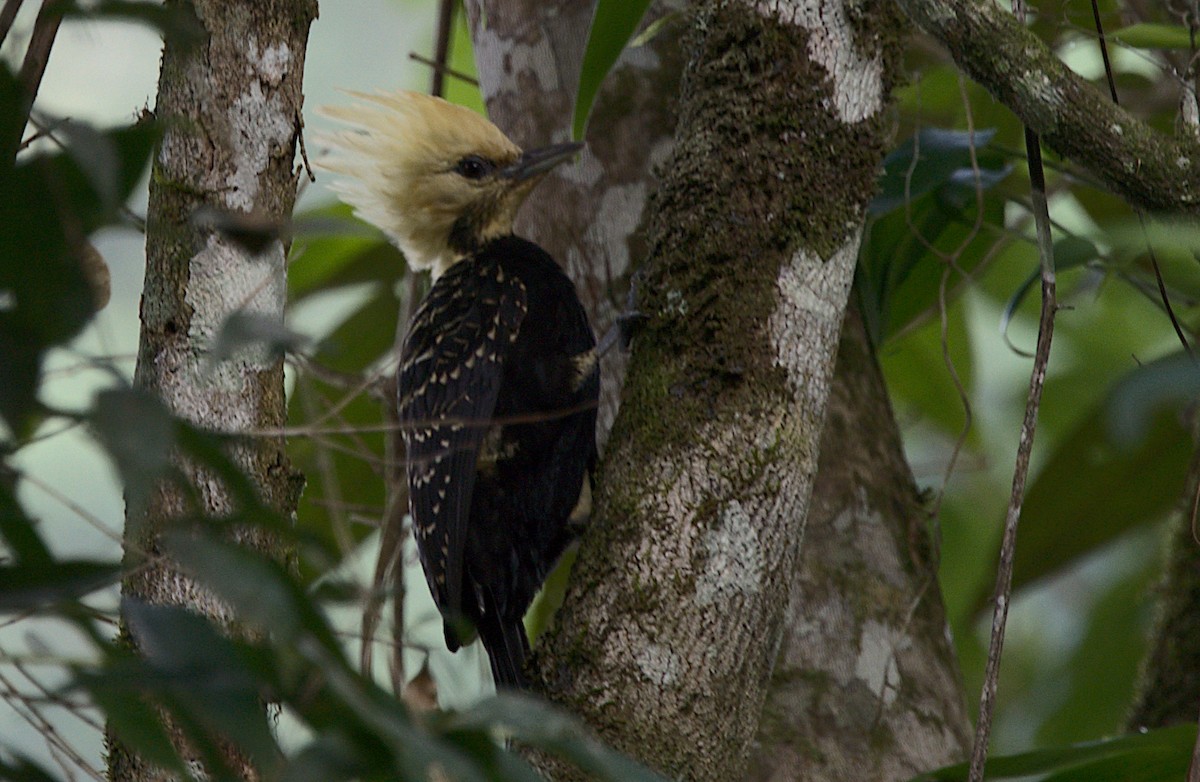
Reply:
x=498, y=380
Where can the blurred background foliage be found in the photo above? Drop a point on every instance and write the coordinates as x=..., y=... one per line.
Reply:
x=945, y=282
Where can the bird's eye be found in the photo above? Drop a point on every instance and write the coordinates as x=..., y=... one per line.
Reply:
x=474, y=167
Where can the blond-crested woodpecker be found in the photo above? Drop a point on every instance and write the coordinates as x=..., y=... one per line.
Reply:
x=498, y=378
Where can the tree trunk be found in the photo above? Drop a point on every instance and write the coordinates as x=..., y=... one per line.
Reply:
x=1169, y=691
x=866, y=686
x=674, y=615
x=229, y=107
x=628, y=134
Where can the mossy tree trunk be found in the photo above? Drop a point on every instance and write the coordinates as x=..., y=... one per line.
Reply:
x=229, y=107
x=594, y=217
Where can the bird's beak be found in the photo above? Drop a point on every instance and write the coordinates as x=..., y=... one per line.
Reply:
x=539, y=161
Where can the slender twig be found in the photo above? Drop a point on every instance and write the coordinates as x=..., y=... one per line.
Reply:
x=8, y=15
x=440, y=67
x=1108, y=70
x=441, y=47
x=33, y=67
x=1037, y=380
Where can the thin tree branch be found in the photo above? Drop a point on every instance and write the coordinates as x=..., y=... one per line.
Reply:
x=8, y=15
x=1004, y=570
x=441, y=49
x=33, y=67
x=1149, y=169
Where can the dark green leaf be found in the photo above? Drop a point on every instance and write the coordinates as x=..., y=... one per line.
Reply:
x=22, y=769
x=48, y=206
x=1139, y=397
x=200, y=669
x=25, y=587
x=138, y=432
x=943, y=157
x=17, y=529
x=176, y=22
x=245, y=329
x=1095, y=487
x=612, y=27
x=1151, y=35
x=1141, y=758
x=538, y=724
x=258, y=589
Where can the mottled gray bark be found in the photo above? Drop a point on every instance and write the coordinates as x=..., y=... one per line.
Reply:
x=229, y=108
x=866, y=686
x=629, y=134
x=1145, y=167
x=674, y=615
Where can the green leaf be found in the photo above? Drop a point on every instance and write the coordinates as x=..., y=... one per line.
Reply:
x=1096, y=486
x=138, y=432
x=22, y=769
x=48, y=206
x=943, y=157
x=1069, y=252
x=31, y=587
x=258, y=589
x=1151, y=35
x=612, y=27
x=202, y=671
x=1156, y=756
x=538, y=724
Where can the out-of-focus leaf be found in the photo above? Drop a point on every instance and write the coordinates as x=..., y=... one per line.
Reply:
x=364, y=337
x=31, y=587
x=919, y=381
x=131, y=718
x=612, y=27
x=540, y=725
x=1152, y=35
x=176, y=22
x=1156, y=756
x=1069, y=252
x=924, y=219
x=943, y=157
x=259, y=589
x=1103, y=655
x=17, y=529
x=48, y=205
x=328, y=758
x=21, y=769
x=138, y=432
x=332, y=249
x=244, y=329
x=1139, y=397
x=202, y=671
x=1094, y=488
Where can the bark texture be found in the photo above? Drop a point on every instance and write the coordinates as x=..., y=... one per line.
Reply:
x=672, y=621
x=1145, y=167
x=630, y=133
x=590, y=215
x=1170, y=687
x=866, y=686
x=229, y=108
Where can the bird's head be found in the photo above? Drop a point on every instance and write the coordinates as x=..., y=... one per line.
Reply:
x=437, y=178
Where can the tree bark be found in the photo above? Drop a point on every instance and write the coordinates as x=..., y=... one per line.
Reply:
x=229, y=107
x=1147, y=168
x=1169, y=691
x=672, y=621
x=630, y=132
x=866, y=686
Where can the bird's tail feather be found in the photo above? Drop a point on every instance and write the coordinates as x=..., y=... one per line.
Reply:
x=507, y=646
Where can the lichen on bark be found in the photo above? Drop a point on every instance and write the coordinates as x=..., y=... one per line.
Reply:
x=668, y=635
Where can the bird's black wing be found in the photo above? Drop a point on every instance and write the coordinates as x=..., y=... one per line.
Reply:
x=450, y=372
